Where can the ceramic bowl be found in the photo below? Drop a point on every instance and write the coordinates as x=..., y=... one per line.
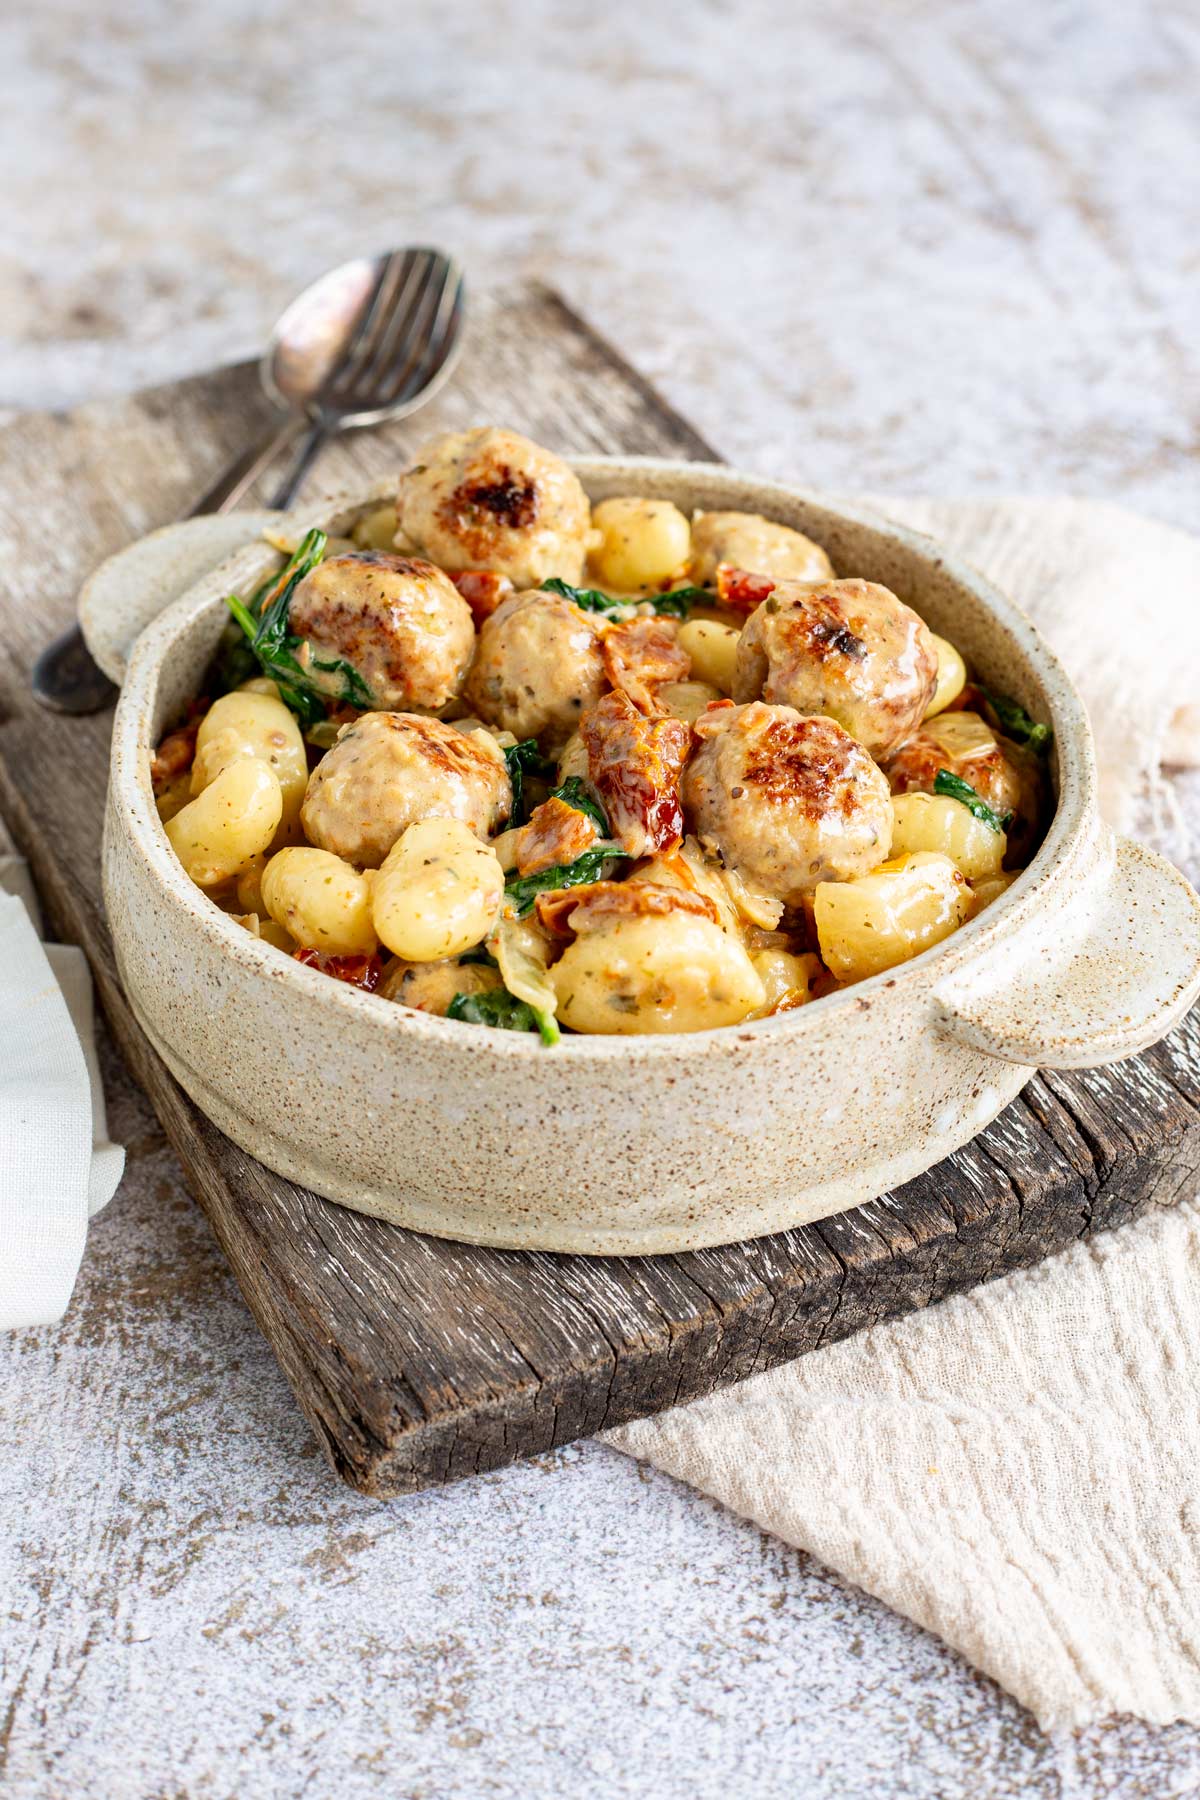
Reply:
x=627, y=1145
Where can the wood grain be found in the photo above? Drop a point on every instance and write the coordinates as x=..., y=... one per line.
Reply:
x=419, y=1361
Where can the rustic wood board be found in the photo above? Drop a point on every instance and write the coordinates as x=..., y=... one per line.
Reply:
x=418, y=1361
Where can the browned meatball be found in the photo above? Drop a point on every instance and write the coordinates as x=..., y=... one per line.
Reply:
x=400, y=623
x=387, y=770
x=847, y=649
x=787, y=801
x=1005, y=774
x=491, y=499
x=748, y=541
x=538, y=668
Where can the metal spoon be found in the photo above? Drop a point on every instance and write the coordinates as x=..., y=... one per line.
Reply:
x=370, y=341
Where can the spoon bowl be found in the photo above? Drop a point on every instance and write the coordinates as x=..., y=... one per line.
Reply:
x=370, y=341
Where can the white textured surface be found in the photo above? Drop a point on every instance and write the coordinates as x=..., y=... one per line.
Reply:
x=193, y=1607
x=931, y=246
x=937, y=245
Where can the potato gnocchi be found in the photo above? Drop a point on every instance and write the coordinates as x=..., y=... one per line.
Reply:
x=513, y=760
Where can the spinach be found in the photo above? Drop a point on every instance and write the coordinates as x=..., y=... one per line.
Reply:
x=679, y=602
x=1016, y=723
x=480, y=954
x=955, y=788
x=355, y=691
x=266, y=627
x=236, y=661
x=676, y=604
x=522, y=890
x=503, y=1012
x=573, y=792
x=524, y=759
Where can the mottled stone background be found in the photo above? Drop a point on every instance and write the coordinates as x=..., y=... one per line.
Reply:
x=942, y=246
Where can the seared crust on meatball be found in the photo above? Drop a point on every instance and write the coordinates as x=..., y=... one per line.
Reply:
x=748, y=541
x=387, y=770
x=847, y=649
x=400, y=623
x=785, y=800
x=1005, y=774
x=538, y=668
x=491, y=499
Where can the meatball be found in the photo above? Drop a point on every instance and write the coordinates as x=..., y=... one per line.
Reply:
x=1005, y=774
x=387, y=770
x=748, y=541
x=786, y=801
x=847, y=649
x=430, y=987
x=400, y=623
x=491, y=499
x=538, y=668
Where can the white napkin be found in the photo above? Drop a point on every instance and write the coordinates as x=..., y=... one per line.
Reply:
x=57, y=1167
x=1018, y=1469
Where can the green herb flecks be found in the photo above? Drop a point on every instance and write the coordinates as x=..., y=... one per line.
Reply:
x=265, y=624
x=503, y=1012
x=524, y=759
x=520, y=891
x=573, y=792
x=676, y=604
x=955, y=788
x=1016, y=723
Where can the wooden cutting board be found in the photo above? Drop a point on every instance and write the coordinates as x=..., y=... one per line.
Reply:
x=418, y=1361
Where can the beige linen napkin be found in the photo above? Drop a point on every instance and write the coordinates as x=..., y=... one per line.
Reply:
x=1018, y=1469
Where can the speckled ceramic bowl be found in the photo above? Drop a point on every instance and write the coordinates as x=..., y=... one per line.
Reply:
x=657, y=1143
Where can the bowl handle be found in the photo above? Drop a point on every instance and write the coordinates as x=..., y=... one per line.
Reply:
x=129, y=589
x=1101, y=976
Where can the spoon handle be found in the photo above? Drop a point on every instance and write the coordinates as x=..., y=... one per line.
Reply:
x=244, y=470
x=314, y=442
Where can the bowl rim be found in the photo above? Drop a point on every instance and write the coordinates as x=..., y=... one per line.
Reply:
x=1072, y=821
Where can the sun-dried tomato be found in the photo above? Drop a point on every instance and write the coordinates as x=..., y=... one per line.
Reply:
x=482, y=589
x=640, y=654
x=742, y=589
x=360, y=971
x=174, y=755
x=556, y=833
x=635, y=764
x=567, y=911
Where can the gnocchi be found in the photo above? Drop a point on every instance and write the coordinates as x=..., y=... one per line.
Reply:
x=686, y=699
x=787, y=978
x=322, y=901
x=951, y=676
x=903, y=907
x=469, y=786
x=640, y=545
x=655, y=972
x=984, y=892
x=438, y=893
x=936, y=822
x=376, y=530
x=253, y=724
x=713, y=649
x=230, y=822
